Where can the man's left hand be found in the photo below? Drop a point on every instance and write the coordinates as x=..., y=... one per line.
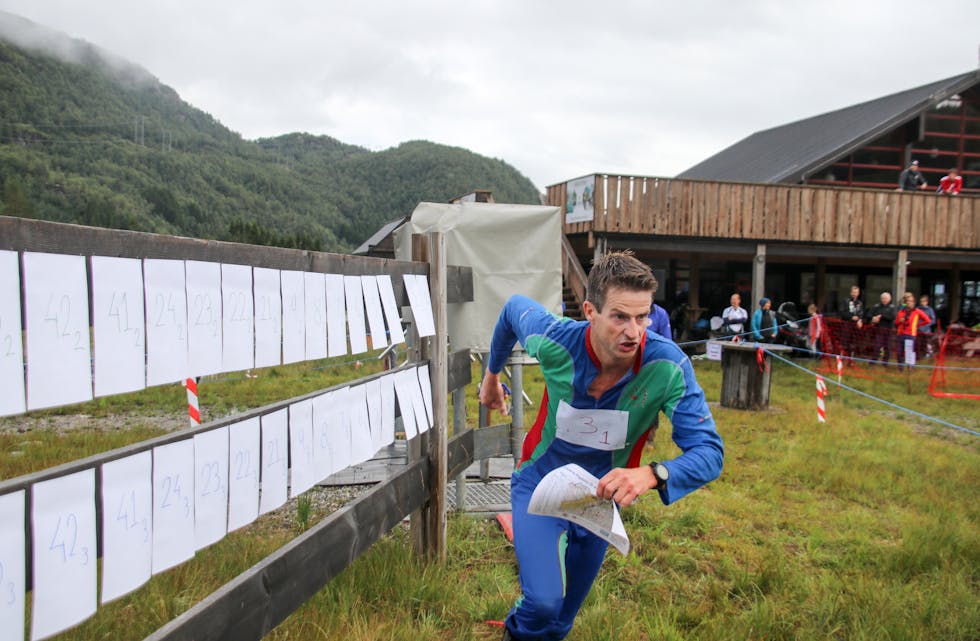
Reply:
x=625, y=484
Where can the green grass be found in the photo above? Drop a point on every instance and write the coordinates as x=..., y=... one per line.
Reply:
x=865, y=527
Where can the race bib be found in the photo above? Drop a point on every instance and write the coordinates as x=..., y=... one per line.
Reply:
x=598, y=429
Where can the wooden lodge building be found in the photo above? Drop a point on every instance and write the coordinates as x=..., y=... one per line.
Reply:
x=802, y=211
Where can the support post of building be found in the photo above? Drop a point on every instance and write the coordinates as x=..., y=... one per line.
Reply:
x=820, y=284
x=694, y=285
x=601, y=247
x=758, y=275
x=901, y=275
x=953, y=293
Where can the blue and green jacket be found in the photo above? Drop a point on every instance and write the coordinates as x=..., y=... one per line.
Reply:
x=661, y=379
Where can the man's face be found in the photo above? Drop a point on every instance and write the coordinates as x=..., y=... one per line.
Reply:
x=855, y=292
x=617, y=329
x=886, y=298
x=736, y=300
x=924, y=301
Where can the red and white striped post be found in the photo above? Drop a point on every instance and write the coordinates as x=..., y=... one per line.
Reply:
x=193, y=409
x=840, y=368
x=821, y=394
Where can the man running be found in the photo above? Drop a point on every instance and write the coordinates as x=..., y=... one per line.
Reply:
x=607, y=378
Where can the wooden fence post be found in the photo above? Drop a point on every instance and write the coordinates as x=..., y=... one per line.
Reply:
x=439, y=373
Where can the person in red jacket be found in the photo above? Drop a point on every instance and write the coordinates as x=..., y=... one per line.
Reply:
x=951, y=183
x=908, y=322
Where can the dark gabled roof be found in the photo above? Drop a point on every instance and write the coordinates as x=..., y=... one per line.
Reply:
x=787, y=154
x=379, y=236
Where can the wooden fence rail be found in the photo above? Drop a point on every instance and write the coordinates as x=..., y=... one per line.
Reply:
x=267, y=593
x=251, y=605
x=776, y=212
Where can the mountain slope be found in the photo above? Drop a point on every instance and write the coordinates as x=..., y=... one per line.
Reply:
x=88, y=138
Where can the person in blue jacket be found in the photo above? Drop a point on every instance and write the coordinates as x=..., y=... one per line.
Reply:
x=764, y=327
x=606, y=378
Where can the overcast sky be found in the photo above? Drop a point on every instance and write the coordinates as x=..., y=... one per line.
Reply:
x=557, y=89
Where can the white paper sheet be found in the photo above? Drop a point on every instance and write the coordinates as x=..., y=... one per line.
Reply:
x=203, y=317
x=324, y=407
x=372, y=394
x=244, y=458
x=387, y=435
x=417, y=286
x=275, y=461
x=118, y=325
x=301, y=448
x=12, y=574
x=338, y=429
x=237, y=318
x=375, y=317
x=396, y=335
x=418, y=402
x=173, y=504
x=210, y=487
x=405, y=404
x=355, y=314
x=127, y=524
x=425, y=384
x=59, y=368
x=316, y=316
x=63, y=513
x=569, y=492
x=166, y=321
x=293, y=317
x=362, y=445
x=12, y=400
x=336, y=315
x=268, y=317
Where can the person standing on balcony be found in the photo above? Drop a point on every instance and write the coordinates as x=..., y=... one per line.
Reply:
x=951, y=183
x=610, y=371
x=911, y=179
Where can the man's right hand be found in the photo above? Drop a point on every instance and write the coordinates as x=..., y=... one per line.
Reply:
x=492, y=393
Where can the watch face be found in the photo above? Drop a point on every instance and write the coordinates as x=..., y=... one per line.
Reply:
x=661, y=471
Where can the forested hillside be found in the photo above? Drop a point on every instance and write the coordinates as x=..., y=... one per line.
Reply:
x=88, y=138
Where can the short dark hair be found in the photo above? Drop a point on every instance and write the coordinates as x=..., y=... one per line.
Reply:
x=618, y=269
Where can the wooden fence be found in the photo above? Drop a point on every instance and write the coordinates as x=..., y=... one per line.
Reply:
x=767, y=212
x=255, y=602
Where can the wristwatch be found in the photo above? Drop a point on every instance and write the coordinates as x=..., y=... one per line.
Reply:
x=661, y=473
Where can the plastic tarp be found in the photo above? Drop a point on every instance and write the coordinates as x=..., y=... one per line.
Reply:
x=513, y=249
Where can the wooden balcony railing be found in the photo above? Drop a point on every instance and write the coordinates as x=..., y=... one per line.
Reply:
x=764, y=212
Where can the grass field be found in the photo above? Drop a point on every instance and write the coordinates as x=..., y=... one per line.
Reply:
x=867, y=527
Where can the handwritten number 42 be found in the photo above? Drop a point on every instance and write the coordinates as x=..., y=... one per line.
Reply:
x=65, y=538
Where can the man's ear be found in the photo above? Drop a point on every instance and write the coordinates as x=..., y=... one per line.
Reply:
x=589, y=310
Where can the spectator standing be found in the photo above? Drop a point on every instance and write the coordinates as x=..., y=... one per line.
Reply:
x=911, y=178
x=908, y=323
x=660, y=322
x=951, y=183
x=854, y=315
x=735, y=316
x=882, y=319
x=814, y=328
x=764, y=322
x=928, y=332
